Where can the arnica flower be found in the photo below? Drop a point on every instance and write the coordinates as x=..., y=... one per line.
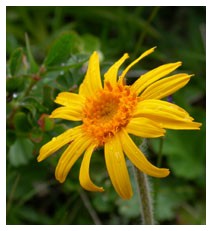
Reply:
x=109, y=112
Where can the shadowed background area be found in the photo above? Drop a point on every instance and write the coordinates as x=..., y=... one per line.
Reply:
x=47, y=50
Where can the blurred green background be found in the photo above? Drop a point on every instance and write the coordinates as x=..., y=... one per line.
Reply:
x=47, y=50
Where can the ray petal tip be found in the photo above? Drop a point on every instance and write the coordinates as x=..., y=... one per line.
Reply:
x=95, y=54
x=127, y=197
x=101, y=189
x=164, y=172
x=59, y=178
x=179, y=63
x=39, y=158
x=167, y=172
x=199, y=126
x=149, y=51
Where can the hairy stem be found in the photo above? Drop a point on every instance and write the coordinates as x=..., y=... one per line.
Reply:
x=144, y=197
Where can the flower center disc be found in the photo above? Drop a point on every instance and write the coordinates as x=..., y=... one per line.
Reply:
x=109, y=111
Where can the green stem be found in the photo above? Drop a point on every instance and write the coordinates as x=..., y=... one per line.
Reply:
x=144, y=197
x=89, y=207
x=159, y=161
x=143, y=34
x=29, y=88
x=14, y=187
x=17, y=106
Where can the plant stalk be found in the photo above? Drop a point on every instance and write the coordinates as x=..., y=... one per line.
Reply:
x=89, y=207
x=144, y=197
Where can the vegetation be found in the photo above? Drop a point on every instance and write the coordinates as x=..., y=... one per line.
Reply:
x=47, y=50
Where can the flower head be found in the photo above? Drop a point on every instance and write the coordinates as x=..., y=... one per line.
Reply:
x=111, y=112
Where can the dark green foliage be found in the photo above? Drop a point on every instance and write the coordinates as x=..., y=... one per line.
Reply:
x=16, y=61
x=14, y=84
x=47, y=50
x=20, y=152
x=60, y=50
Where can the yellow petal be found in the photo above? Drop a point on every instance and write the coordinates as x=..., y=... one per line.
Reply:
x=151, y=76
x=92, y=81
x=68, y=113
x=165, y=87
x=144, y=127
x=57, y=142
x=84, y=175
x=134, y=62
x=70, y=156
x=161, y=106
x=137, y=157
x=168, y=115
x=111, y=74
x=117, y=168
x=70, y=99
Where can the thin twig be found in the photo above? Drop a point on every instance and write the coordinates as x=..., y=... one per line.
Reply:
x=143, y=34
x=89, y=207
x=159, y=161
x=10, y=199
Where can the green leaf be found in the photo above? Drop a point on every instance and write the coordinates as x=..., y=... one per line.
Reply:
x=14, y=84
x=48, y=99
x=36, y=135
x=21, y=122
x=185, y=153
x=21, y=152
x=11, y=42
x=46, y=123
x=172, y=196
x=103, y=203
x=33, y=64
x=11, y=136
x=33, y=216
x=33, y=105
x=15, y=61
x=65, y=81
x=129, y=208
x=91, y=43
x=75, y=61
x=60, y=50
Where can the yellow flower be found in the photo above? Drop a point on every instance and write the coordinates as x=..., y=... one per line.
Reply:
x=108, y=113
